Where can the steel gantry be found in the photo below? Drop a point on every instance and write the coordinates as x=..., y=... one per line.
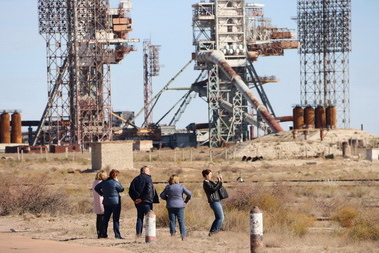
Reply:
x=83, y=37
x=228, y=35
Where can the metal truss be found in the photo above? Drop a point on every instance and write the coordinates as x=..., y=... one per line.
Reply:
x=324, y=31
x=151, y=68
x=79, y=35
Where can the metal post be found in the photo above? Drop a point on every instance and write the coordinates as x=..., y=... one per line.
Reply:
x=150, y=229
x=256, y=229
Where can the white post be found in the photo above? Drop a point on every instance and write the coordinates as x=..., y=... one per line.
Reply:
x=256, y=229
x=150, y=227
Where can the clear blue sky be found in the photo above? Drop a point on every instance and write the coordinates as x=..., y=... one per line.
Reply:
x=169, y=23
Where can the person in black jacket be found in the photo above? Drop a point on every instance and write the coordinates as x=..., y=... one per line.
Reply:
x=110, y=190
x=143, y=194
x=211, y=190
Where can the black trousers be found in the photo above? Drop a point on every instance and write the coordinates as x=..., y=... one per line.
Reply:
x=99, y=221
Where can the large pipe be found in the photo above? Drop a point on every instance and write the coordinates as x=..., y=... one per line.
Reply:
x=218, y=58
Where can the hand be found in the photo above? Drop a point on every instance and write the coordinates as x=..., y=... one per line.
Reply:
x=137, y=201
x=219, y=177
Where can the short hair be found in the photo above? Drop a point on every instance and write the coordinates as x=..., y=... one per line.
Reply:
x=113, y=173
x=174, y=179
x=206, y=172
x=143, y=169
x=101, y=175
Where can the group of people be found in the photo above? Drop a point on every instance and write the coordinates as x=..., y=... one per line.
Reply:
x=107, y=200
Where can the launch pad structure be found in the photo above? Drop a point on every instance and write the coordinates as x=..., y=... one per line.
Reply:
x=84, y=37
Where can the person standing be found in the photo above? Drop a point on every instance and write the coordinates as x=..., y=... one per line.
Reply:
x=110, y=189
x=143, y=194
x=211, y=190
x=173, y=194
x=98, y=207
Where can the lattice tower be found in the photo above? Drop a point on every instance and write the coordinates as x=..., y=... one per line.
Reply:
x=324, y=31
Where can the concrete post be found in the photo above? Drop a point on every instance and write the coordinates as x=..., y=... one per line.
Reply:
x=256, y=229
x=150, y=227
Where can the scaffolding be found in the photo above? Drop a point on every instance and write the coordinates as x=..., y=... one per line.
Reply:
x=83, y=37
x=150, y=68
x=324, y=31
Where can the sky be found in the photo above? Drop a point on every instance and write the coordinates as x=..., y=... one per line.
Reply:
x=168, y=23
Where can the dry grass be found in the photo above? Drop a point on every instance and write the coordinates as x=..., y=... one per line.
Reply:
x=290, y=211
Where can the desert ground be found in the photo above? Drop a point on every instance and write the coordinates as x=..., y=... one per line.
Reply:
x=313, y=185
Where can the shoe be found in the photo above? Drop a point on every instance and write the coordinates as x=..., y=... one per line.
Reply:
x=212, y=233
x=103, y=237
x=119, y=237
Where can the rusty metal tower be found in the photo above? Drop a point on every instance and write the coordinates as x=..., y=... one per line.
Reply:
x=83, y=37
x=324, y=31
x=228, y=36
x=150, y=68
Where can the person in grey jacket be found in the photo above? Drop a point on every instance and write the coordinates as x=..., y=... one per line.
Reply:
x=211, y=190
x=110, y=190
x=173, y=194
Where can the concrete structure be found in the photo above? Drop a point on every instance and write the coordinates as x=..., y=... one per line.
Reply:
x=112, y=155
x=372, y=154
x=143, y=145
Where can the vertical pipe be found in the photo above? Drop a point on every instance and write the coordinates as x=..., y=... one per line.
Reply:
x=5, y=134
x=256, y=229
x=16, y=133
x=298, y=117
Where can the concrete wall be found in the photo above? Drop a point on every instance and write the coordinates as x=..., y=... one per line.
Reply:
x=112, y=155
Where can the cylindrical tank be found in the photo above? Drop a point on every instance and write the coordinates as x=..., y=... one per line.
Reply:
x=309, y=117
x=320, y=117
x=5, y=127
x=298, y=117
x=16, y=133
x=331, y=117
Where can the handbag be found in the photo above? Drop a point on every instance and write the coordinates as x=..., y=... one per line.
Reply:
x=223, y=193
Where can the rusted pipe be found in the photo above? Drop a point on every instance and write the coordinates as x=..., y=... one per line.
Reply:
x=218, y=58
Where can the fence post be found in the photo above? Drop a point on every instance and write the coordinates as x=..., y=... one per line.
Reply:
x=150, y=229
x=256, y=229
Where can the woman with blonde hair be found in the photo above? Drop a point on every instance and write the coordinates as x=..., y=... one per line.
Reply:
x=173, y=194
x=110, y=189
x=98, y=207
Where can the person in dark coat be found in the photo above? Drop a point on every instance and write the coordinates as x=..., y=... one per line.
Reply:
x=110, y=190
x=211, y=190
x=143, y=193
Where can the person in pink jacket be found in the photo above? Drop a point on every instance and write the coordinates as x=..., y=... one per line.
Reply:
x=98, y=207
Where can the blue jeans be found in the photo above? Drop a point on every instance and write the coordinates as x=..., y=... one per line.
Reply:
x=142, y=209
x=219, y=216
x=108, y=210
x=177, y=213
